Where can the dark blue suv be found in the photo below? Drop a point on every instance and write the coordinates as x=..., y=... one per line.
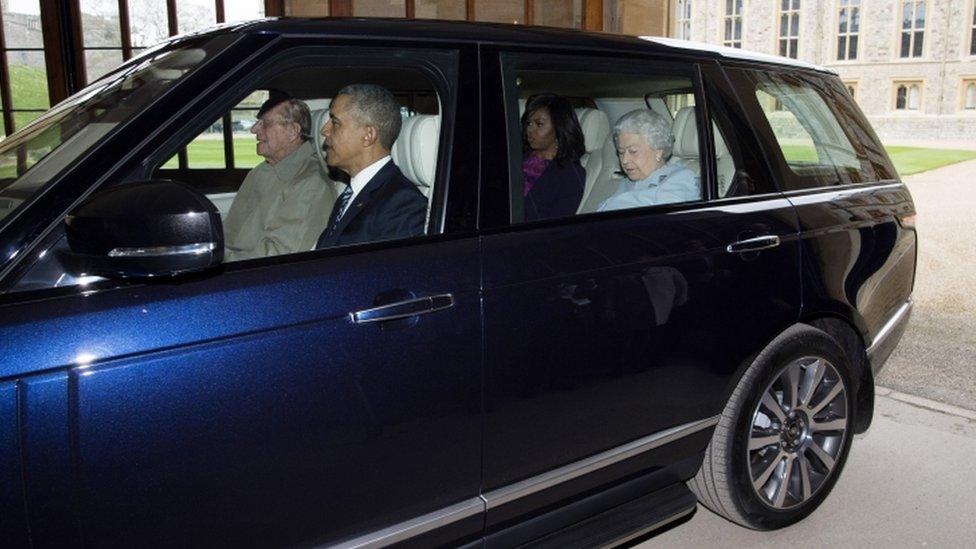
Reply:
x=504, y=378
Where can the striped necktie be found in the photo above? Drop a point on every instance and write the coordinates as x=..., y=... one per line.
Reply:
x=340, y=208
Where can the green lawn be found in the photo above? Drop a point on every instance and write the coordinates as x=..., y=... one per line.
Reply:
x=209, y=153
x=28, y=86
x=907, y=160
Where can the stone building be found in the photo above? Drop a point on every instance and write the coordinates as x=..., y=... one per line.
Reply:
x=911, y=65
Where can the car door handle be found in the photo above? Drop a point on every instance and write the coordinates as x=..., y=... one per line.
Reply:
x=403, y=309
x=753, y=244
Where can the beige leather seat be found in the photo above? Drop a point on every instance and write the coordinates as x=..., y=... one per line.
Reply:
x=686, y=149
x=415, y=150
x=606, y=178
x=596, y=129
x=319, y=118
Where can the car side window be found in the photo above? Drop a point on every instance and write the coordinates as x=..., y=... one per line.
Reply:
x=300, y=155
x=210, y=148
x=296, y=162
x=797, y=119
x=594, y=141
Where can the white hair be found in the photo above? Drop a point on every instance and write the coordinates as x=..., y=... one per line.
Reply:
x=653, y=127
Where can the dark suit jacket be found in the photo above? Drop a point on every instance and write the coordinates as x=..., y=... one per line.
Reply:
x=557, y=193
x=388, y=207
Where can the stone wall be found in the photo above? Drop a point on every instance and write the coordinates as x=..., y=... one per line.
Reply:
x=945, y=63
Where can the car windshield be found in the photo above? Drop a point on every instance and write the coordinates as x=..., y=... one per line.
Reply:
x=33, y=156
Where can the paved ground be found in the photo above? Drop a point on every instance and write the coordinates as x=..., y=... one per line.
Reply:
x=937, y=356
x=908, y=482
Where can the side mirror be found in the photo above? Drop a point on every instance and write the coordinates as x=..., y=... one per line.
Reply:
x=153, y=228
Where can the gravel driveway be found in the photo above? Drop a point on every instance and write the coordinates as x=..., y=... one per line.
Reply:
x=935, y=358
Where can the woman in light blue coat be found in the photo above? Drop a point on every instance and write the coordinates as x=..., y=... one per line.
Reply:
x=643, y=139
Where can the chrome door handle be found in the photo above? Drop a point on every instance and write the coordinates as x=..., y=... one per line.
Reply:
x=753, y=244
x=403, y=309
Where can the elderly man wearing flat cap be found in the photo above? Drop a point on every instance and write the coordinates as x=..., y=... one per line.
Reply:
x=283, y=205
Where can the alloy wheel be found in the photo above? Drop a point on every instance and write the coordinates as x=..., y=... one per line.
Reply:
x=797, y=432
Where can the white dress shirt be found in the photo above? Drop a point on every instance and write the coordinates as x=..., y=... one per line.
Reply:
x=359, y=181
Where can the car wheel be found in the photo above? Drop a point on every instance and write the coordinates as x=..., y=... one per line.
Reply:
x=784, y=435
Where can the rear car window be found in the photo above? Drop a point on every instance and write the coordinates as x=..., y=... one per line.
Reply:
x=586, y=140
x=814, y=136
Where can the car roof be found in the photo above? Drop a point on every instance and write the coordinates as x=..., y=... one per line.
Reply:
x=501, y=33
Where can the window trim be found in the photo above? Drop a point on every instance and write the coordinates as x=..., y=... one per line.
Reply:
x=896, y=82
x=512, y=60
x=681, y=8
x=964, y=81
x=288, y=55
x=837, y=34
x=968, y=45
x=726, y=16
x=778, y=37
x=827, y=87
x=6, y=87
x=206, y=105
x=899, y=19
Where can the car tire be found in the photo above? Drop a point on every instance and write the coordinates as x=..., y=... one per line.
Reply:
x=784, y=436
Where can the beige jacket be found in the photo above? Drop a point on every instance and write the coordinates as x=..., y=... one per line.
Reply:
x=279, y=209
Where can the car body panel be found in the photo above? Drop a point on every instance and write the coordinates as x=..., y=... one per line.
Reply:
x=859, y=261
x=174, y=393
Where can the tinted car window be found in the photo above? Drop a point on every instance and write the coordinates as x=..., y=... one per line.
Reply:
x=295, y=217
x=809, y=143
x=585, y=141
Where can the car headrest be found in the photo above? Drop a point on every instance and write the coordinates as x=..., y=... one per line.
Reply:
x=686, y=136
x=685, y=133
x=595, y=126
x=415, y=150
x=721, y=149
x=319, y=118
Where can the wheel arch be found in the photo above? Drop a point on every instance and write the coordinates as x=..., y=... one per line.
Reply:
x=847, y=335
x=849, y=338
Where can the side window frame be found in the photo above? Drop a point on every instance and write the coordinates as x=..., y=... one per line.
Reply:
x=424, y=60
x=724, y=109
x=743, y=83
x=512, y=60
x=207, y=106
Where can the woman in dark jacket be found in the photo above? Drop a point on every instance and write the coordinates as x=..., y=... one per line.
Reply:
x=552, y=144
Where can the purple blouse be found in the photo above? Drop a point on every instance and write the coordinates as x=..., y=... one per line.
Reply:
x=532, y=168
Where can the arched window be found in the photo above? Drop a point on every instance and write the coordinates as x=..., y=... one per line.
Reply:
x=901, y=97
x=914, y=94
x=971, y=96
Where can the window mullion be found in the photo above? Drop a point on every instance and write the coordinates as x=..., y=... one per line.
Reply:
x=125, y=30
x=174, y=27
x=8, y=116
x=228, y=140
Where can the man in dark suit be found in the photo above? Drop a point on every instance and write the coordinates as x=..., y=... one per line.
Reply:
x=379, y=203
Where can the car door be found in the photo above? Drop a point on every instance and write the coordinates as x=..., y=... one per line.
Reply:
x=613, y=337
x=309, y=398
